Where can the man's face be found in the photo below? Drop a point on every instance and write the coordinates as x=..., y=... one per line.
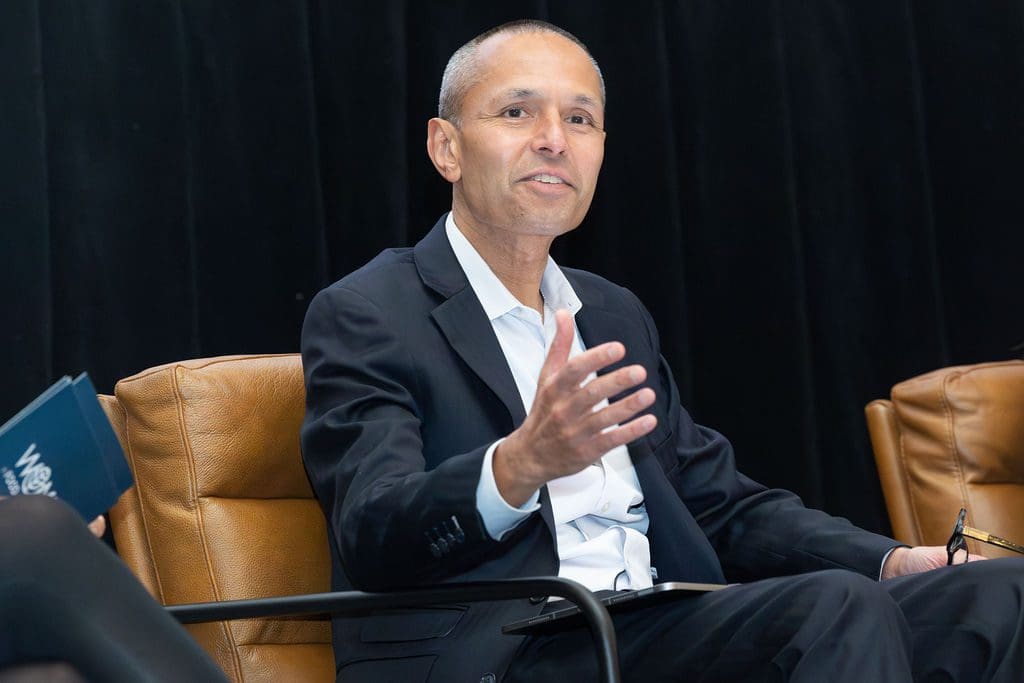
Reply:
x=531, y=140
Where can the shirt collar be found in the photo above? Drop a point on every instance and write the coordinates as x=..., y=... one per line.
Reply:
x=493, y=295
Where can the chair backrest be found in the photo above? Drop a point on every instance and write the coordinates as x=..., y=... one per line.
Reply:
x=221, y=508
x=948, y=439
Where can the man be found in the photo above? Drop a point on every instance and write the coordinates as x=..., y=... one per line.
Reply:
x=476, y=412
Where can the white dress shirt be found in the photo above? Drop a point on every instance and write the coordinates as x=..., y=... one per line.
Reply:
x=600, y=519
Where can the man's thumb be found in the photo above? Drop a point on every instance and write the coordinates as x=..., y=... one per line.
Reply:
x=558, y=354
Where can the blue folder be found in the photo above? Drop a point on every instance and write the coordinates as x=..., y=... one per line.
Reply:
x=62, y=445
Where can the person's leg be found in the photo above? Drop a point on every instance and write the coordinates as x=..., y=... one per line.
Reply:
x=51, y=672
x=966, y=622
x=65, y=596
x=832, y=625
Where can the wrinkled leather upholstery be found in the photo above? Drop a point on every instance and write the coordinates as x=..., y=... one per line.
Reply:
x=222, y=509
x=948, y=439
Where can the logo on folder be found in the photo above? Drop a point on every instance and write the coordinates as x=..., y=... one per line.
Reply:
x=35, y=476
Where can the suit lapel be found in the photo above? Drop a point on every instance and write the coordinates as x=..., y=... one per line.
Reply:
x=467, y=329
x=678, y=545
x=598, y=325
x=462, y=320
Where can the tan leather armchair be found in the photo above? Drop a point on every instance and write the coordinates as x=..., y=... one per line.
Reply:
x=221, y=509
x=948, y=439
x=222, y=512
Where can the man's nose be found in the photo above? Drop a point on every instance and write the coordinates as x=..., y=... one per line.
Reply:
x=549, y=136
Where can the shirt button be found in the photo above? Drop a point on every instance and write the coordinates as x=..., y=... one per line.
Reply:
x=604, y=508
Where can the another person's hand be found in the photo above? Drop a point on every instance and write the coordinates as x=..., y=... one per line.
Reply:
x=563, y=433
x=98, y=526
x=904, y=561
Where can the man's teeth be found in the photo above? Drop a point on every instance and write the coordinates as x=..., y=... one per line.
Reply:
x=544, y=178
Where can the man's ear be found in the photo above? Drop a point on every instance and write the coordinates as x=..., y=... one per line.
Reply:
x=443, y=149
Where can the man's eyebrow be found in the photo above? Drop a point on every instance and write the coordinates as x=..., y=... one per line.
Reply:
x=528, y=93
x=517, y=94
x=585, y=100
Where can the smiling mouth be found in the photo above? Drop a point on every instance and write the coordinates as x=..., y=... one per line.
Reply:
x=547, y=179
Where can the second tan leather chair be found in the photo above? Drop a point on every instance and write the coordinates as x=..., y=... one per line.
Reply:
x=222, y=509
x=948, y=439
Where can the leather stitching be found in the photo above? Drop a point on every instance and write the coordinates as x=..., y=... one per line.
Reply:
x=194, y=495
x=951, y=439
x=142, y=508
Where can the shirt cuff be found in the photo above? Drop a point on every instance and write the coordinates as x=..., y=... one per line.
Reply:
x=499, y=517
x=885, y=558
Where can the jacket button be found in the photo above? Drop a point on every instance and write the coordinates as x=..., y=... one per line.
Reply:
x=488, y=678
x=538, y=599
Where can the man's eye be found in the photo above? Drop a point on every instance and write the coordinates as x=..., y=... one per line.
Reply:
x=579, y=119
x=513, y=113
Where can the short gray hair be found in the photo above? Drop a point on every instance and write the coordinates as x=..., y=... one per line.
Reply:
x=461, y=73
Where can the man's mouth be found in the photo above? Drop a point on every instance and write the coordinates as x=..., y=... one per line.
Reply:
x=548, y=179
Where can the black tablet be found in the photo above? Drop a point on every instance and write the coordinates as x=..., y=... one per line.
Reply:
x=570, y=615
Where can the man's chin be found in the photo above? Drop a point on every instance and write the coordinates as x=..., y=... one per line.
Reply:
x=546, y=228
x=549, y=221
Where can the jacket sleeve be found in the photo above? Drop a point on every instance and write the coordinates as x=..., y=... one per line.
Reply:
x=394, y=523
x=757, y=532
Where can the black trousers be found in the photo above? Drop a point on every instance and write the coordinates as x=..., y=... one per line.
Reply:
x=64, y=596
x=962, y=623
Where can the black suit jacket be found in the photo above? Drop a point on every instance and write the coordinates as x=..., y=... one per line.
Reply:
x=406, y=389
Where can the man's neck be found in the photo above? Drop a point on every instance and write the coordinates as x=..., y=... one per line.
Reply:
x=518, y=261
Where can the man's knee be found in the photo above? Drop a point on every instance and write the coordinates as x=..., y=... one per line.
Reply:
x=999, y=580
x=1005, y=570
x=842, y=587
x=851, y=599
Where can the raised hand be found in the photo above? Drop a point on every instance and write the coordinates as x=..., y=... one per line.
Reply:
x=563, y=433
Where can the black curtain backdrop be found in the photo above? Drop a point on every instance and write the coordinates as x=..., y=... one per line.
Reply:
x=815, y=199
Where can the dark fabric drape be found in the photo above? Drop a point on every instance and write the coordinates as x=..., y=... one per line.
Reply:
x=816, y=200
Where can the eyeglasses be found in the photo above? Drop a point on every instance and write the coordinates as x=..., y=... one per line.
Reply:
x=962, y=532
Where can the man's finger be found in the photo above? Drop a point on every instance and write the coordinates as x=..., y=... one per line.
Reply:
x=631, y=431
x=606, y=386
x=558, y=354
x=590, y=361
x=98, y=526
x=620, y=411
